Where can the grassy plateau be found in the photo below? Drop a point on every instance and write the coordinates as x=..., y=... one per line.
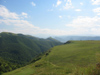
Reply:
x=74, y=58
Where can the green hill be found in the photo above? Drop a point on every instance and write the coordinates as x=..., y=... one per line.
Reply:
x=20, y=49
x=72, y=58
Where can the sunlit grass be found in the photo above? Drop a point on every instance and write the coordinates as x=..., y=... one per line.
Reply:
x=76, y=58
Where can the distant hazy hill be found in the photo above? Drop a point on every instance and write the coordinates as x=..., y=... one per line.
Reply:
x=66, y=38
x=20, y=49
x=72, y=58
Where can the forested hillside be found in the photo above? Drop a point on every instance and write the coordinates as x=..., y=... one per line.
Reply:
x=20, y=49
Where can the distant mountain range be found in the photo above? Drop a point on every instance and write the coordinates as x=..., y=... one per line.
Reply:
x=67, y=38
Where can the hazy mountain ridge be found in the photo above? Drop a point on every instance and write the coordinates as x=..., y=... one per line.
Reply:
x=67, y=38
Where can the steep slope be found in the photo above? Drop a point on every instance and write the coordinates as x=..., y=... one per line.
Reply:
x=19, y=48
x=74, y=58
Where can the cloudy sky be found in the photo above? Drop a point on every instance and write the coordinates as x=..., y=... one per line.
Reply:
x=45, y=18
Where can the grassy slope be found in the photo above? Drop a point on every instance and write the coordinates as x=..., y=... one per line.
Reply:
x=76, y=58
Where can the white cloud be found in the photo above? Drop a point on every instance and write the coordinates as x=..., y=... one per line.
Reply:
x=24, y=14
x=77, y=9
x=19, y=23
x=81, y=3
x=58, y=3
x=33, y=4
x=97, y=10
x=68, y=5
x=85, y=22
x=60, y=16
x=86, y=25
x=95, y=2
x=5, y=13
x=65, y=4
x=79, y=26
x=22, y=26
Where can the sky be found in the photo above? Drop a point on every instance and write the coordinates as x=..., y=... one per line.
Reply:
x=44, y=18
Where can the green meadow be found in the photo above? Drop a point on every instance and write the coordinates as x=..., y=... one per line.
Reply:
x=74, y=58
